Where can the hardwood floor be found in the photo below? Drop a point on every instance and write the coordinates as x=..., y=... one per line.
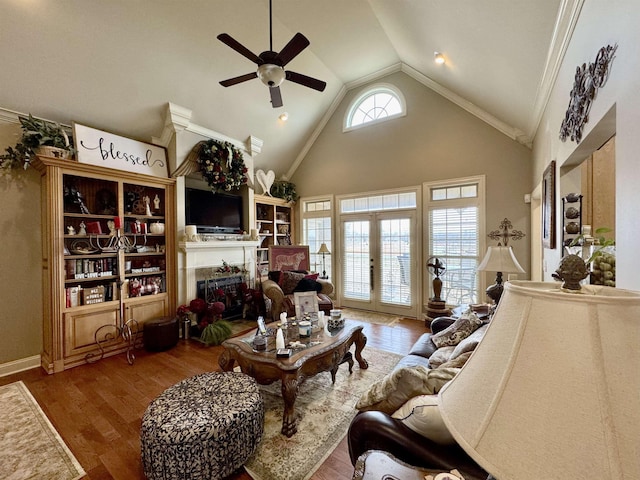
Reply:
x=98, y=408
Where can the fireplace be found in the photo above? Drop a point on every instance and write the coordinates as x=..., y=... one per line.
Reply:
x=200, y=262
x=226, y=289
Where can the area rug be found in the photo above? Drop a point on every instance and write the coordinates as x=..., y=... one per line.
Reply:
x=324, y=413
x=370, y=317
x=30, y=448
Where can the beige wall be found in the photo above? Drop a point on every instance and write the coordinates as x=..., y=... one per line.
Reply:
x=436, y=140
x=616, y=108
x=20, y=260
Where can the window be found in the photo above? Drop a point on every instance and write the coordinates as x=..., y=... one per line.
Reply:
x=378, y=103
x=455, y=215
x=374, y=203
x=316, y=230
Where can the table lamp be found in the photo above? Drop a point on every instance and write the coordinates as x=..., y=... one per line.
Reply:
x=551, y=391
x=323, y=250
x=499, y=259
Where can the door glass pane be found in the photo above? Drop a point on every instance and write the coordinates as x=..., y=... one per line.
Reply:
x=355, y=268
x=395, y=261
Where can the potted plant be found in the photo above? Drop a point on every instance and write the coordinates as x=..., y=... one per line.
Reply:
x=38, y=137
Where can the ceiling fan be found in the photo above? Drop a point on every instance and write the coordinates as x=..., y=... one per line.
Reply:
x=271, y=64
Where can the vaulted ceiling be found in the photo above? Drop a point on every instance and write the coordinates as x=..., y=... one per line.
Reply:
x=115, y=64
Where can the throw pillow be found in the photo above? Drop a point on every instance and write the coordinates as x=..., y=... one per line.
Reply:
x=457, y=362
x=390, y=393
x=308, y=285
x=458, y=331
x=440, y=356
x=274, y=275
x=312, y=276
x=469, y=343
x=422, y=415
x=289, y=280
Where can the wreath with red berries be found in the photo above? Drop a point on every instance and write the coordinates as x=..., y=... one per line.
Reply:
x=222, y=166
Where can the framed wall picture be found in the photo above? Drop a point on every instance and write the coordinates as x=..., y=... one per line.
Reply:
x=289, y=257
x=549, y=206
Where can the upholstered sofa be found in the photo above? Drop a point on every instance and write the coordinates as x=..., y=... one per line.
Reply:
x=385, y=420
x=281, y=286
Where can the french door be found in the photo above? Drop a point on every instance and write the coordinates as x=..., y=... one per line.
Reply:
x=378, y=267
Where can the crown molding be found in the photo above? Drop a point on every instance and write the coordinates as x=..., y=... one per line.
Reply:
x=9, y=116
x=568, y=14
x=178, y=119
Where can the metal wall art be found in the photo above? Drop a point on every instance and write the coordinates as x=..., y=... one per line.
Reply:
x=588, y=79
x=503, y=235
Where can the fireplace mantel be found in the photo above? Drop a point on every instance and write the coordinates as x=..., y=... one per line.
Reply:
x=214, y=253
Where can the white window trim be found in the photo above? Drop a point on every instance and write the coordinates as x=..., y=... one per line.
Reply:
x=364, y=93
x=482, y=219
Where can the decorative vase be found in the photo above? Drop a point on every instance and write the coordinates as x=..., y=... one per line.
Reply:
x=157, y=228
x=572, y=227
x=603, y=267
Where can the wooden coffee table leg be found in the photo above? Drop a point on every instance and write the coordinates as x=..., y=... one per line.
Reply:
x=360, y=340
x=226, y=361
x=289, y=394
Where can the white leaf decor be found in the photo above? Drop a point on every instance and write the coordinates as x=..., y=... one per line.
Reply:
x=265, y=180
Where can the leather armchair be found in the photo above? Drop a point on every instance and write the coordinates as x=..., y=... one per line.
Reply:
x=375, y=430
x=285, y=303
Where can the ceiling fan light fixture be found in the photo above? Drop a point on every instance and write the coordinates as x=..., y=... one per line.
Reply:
x=271, y=75
x=438, y=58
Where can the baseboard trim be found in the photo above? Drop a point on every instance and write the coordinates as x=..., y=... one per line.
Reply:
x=19, y=365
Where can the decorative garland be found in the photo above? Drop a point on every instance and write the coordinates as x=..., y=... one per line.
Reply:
x=221, y=165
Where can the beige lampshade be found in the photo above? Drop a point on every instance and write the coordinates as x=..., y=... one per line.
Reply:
x=323, y=248
x=553, y=389
x=500, y=259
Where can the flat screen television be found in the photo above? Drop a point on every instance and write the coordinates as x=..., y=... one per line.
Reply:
x=213, y=212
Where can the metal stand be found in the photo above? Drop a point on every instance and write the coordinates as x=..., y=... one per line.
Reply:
x=116, y=243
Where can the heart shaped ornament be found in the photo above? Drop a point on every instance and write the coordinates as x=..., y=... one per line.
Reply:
x=265, y=180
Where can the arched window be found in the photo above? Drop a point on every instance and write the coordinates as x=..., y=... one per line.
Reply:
x=375, y=104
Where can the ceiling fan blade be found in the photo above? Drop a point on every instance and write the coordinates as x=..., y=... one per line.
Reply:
x=306, y=81
x=241, y=49
x=240, y=79
x=276, y=97
x=297, y=44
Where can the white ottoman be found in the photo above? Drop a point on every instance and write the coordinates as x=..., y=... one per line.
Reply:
x=204, y=427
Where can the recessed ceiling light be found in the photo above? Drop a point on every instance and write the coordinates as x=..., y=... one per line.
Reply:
x=438, y=58
x=284, y=117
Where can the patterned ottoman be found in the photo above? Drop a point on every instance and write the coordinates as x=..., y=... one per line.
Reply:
x=204, y=427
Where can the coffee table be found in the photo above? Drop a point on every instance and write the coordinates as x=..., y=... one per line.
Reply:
x=323, y=356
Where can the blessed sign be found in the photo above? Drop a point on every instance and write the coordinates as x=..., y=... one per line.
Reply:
x=105, y=149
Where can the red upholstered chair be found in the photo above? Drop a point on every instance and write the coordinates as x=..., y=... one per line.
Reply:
x=289, y=272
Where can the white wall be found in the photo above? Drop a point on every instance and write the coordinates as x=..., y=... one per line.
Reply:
x=601, y=23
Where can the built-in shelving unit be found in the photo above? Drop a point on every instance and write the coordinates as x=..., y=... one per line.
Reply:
x=107, y=238
x=275, y=222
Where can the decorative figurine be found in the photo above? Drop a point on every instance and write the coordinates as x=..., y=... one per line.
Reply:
x=146, y=205
x=83, y=229
x=156, y=202
x=71, y=230
x=571, y=272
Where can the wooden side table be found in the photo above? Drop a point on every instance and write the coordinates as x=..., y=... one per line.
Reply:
x=379, y=465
